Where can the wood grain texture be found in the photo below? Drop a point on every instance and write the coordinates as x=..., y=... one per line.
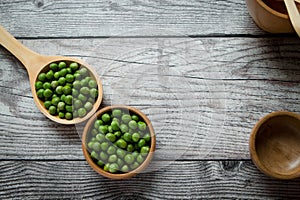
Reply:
x=226, y=85
x=182, y=180
x=93, y=18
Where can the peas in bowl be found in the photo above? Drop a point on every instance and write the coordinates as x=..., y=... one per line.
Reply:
x=118, y=142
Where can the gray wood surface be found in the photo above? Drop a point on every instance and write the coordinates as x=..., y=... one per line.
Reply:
x=76, y=18
x=203, y=105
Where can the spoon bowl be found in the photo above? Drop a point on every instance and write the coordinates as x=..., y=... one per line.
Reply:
x=36, y=63
x=275, y=145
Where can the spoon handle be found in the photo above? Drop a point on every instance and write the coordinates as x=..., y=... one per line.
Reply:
x=27, y=57
x=293, y=14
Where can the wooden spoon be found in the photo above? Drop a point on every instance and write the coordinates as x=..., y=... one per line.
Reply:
x=36, y=63
x=275, y=145
x=293, y=13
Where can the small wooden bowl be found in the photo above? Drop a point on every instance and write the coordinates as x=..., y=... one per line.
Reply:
x=119, y=175
x=275, y=145
x=269, y=19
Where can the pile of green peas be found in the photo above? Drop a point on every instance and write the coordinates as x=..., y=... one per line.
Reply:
x=118, y=141
x=67, y=90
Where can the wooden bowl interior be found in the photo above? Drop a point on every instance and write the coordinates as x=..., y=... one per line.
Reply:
x=121, y=175
x=277, y=144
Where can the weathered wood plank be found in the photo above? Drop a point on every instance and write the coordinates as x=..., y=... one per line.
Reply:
x=182, y=180
x=226, y=86
x=77, y=18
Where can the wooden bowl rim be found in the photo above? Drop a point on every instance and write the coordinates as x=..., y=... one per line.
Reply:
x=271, y=10
x=252, y=146
x=129, y=174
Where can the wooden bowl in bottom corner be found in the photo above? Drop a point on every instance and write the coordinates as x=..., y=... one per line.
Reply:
x=129, y=174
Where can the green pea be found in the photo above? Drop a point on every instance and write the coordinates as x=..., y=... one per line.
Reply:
x=63, y=72
x=109, y=128
x=144, y=150
x=68, y=116
x=103, y=129
x=100, y=137
x=100, y=163
x=94, y=132
x=124, y=128
x=112, y=158
x=59, y=89
x=134, y=165
x=55, y=101
x=90, y=145
x=69, y=108
x=61, y=106
x=105, y=117
x=129, y=159
x=135, y=118
x=75, y=113
x=140, y=159
x=69, y=78
x=52, y=110
x=106, y=167
x=67, y=90
x=47, y=93
x=132, y=124
x=85, y=90
x=83, y=71
x=76, y=84
x=127, y=137
x=121, y=153
x=111, y=150
x=50, y=75
x=84, y=82
x=120, y=162
x=61, y=115
x=141, y=143
x=88, y=78
x=77, y=75
x=69, y=71
x=46, y=85
x=104, y=146
x=115, y=125
x=113, y=168
x=92, y=84
x=147, y=137
x=75, y=92
x=56, y=75
x=88, y=106
x=62, y=81
x=82, y=97
x=126, y=118
x=103, y=155
x=42, y=77
x=135, y=137
x=77, y=104
x=47, y=104
x=121, y=143
x=98, y=123
x=125, y=168
x=69, y=99
x=53, y=66
x=38, y=85
x=96, y=146
x=40, y=93
x=54, y=84
x=81, y=112
x=93, y=92
x=118, y=134
x=117, y=113
x=130, y=148
x=94, y=155
x=111, y=137
x=62, y=65
x=142, y=125
x=74, y=66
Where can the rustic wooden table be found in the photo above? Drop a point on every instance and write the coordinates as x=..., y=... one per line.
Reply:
x=231, y=74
